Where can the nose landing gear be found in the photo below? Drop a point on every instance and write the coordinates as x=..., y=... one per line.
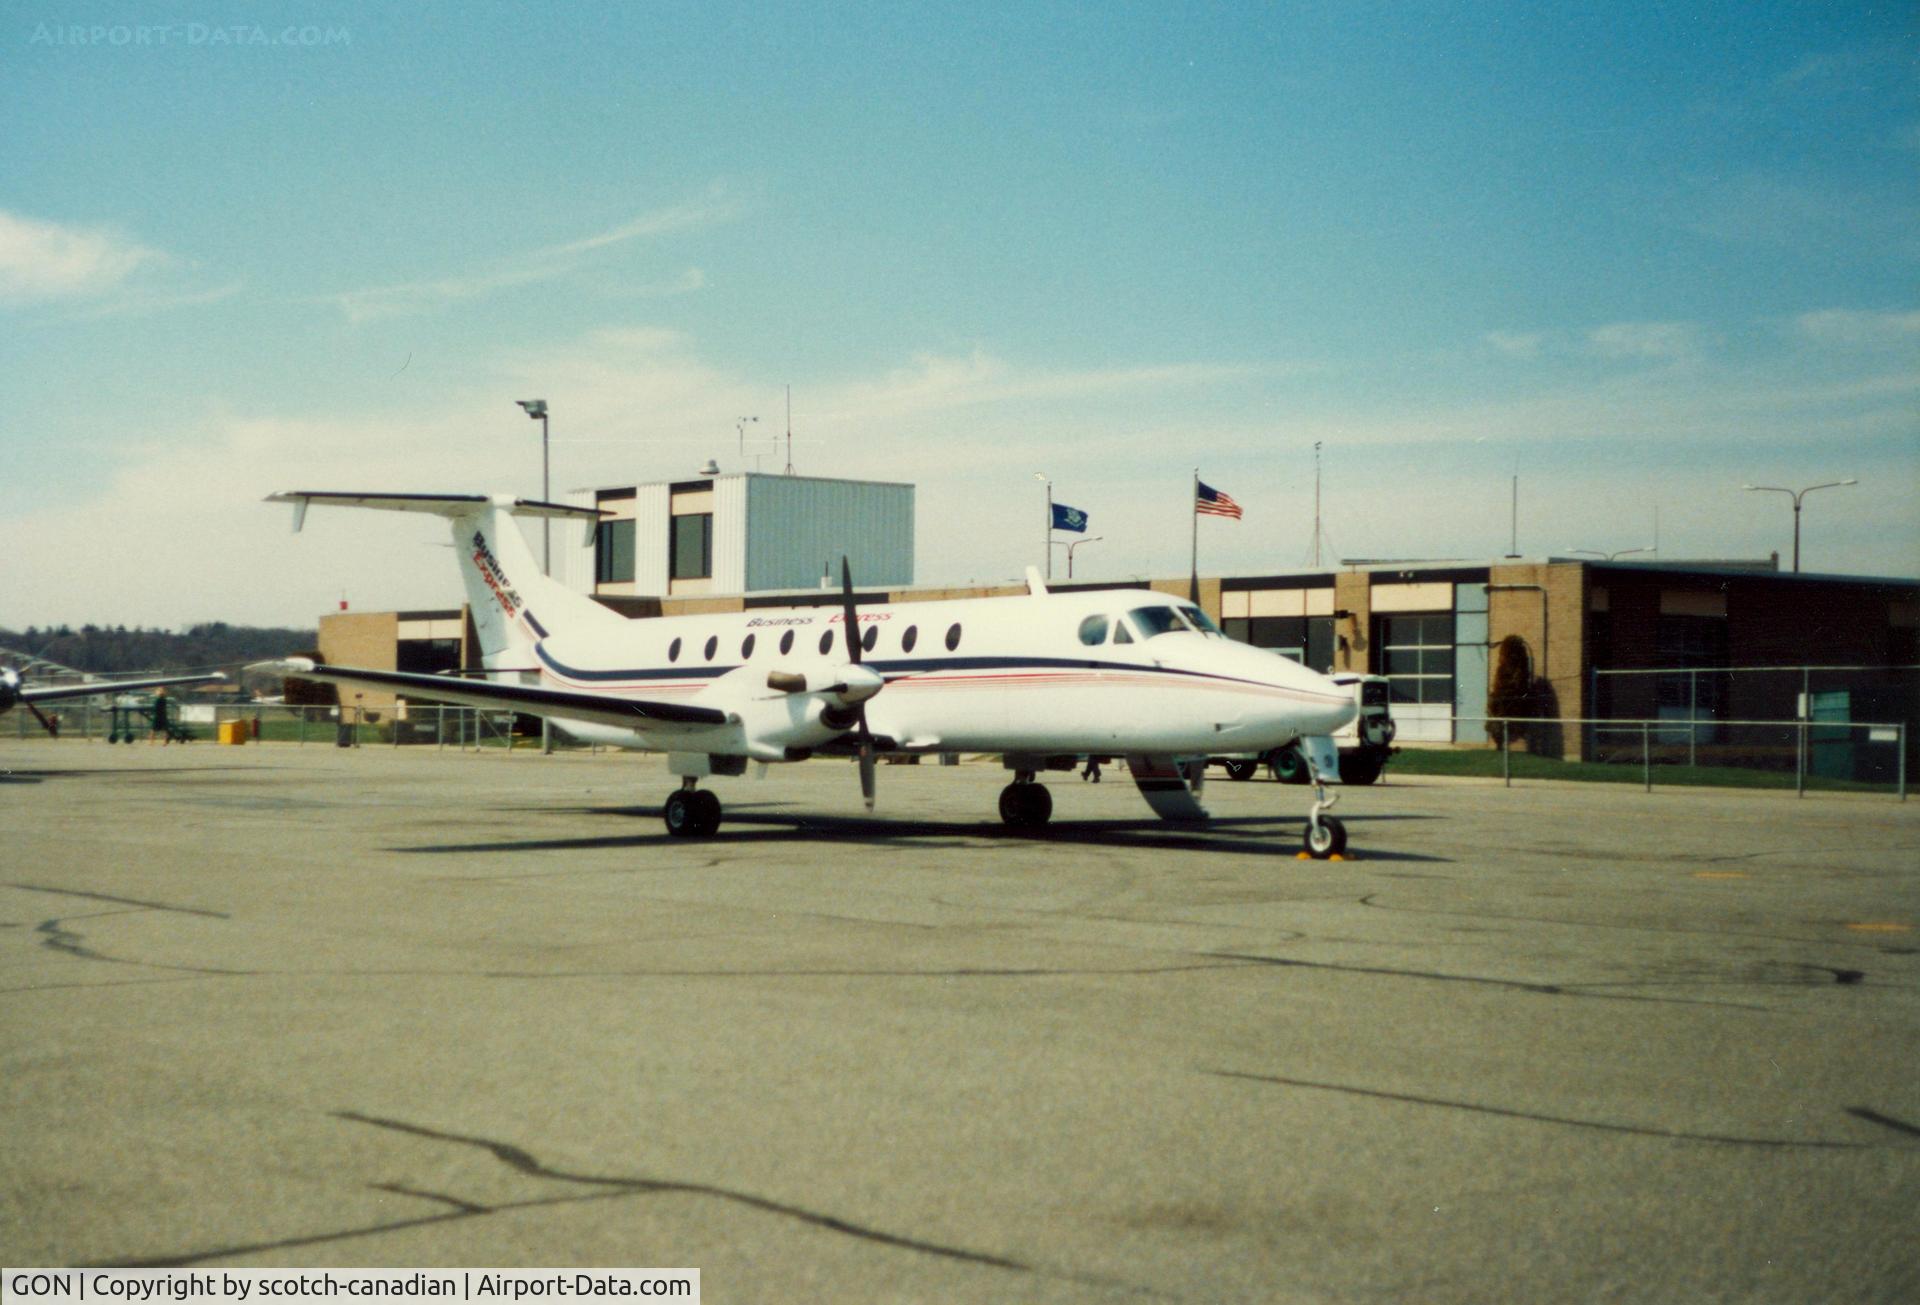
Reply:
x=1326, y=835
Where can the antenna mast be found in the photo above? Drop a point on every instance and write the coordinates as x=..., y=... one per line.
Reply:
x=789, y=430
x=1316, y=504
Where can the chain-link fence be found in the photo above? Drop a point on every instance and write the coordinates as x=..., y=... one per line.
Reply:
x=1791, y=755
x=130, y=719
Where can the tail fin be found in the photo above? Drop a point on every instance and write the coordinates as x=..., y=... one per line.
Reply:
x=514, y=605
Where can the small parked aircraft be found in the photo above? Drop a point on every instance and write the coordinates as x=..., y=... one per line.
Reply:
x=1038, y=679
x=14, y=689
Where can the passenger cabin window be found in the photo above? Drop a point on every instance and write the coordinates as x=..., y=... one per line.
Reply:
x=907, y=639
x=1155, y=621
x=870, y=638
x=673, y=651
x=746, y=648
x=713, y=645
x=826, y=640
x=1093, y=630
x=786, y=643
x=953, y=636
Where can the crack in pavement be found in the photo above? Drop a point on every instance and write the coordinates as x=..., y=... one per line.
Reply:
x=1601, y=1125
x=1519, y=985
x=523, y=1161
x=119, y=901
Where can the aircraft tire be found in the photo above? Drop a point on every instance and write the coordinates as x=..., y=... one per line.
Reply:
x=682, y=813
x=706, y=806
x=1331, y=840
x=1289, y=765
x=1362, y=767
x=1242, y=770
x=1026, y=806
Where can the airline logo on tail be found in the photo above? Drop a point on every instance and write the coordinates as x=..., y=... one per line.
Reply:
x=503, y=591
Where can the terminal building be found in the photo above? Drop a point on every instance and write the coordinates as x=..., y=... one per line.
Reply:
x=1696, y=646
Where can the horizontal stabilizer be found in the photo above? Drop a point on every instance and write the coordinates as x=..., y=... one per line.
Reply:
x=443, y=505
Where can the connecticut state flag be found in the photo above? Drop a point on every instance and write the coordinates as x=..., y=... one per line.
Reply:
x=1069, y=518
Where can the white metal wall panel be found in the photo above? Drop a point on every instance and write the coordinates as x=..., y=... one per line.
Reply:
x=728, y=503
x=650, y=525
x=797, y=526
x=573, y=556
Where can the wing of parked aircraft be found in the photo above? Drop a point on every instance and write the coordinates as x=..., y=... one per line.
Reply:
x=15, y=690
x=1038, y=679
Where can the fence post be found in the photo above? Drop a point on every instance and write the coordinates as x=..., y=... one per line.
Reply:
x=1800, y=759
x=1901, y=765
x=1646, y=753
x=1506, y=753
x=1693, y=714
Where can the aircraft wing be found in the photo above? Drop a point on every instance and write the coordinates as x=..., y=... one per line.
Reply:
x=604, y=708
x=57, y=692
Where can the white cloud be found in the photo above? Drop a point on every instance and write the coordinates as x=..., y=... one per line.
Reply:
x=643, y=403
x=1515, y=344
x=1650, y=341
x=44, y=261
x=1853, y=328
x=537, y=265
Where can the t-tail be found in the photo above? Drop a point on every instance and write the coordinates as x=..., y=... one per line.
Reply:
x=514, y=604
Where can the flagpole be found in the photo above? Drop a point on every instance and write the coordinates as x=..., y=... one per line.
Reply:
x=1049, y=535
x=1193, y=508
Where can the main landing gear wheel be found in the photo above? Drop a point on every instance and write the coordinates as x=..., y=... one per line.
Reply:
x=692, y=813
x=1026, y=806
x=1326, y=837
x=1242, y=769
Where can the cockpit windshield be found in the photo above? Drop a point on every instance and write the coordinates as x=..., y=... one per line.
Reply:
x=1154, y=621
x=1201, y=621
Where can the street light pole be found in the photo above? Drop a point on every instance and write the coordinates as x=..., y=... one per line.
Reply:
x=1796, y=495
x=537, y=408
x=1048, y=537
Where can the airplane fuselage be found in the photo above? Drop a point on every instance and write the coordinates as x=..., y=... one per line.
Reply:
x=1053, y=674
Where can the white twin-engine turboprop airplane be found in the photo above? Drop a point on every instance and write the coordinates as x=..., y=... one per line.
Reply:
x=1039, y=679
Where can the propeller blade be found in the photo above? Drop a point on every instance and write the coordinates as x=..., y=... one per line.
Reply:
x=854, y=648
x=852, y=617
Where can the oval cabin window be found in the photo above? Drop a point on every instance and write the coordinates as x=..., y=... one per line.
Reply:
x=713, y=645
x=1093, y=630
x=953, y=636
x=746, y=648
x=908, y=639
x=826, y=640
x=673, y=651
x=870, y=638
x=786, y=643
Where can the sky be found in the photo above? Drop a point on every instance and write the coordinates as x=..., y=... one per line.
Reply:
x=1636, y=256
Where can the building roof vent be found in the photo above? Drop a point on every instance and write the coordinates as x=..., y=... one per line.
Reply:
x=711, y=468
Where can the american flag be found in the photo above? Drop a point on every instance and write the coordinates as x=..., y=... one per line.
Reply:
x=1211, y=502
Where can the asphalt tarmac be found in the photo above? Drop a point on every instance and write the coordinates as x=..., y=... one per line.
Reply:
x=303, y=1006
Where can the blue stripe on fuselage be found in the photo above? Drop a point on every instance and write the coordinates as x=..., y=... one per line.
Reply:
x=916, y=666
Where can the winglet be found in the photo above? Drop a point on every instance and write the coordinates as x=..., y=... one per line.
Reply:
x=1035, y=585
